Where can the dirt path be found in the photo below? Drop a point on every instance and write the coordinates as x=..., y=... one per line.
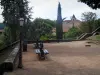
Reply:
x=71, y=58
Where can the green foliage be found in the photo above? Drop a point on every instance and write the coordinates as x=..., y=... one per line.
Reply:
x=40, y=28
x=51, y=22
x=88, y=16
x=89, y=23
x=6, y=36
x=12, y=11
x=91, y=3
x=97, y=24
x=44, y=38
x=72, y=33
x=86, y=27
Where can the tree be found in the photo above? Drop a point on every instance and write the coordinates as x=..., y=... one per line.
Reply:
x=91, y=3
x=6, y=36
x=97, y=24
x=51, y=22
x=12, y=11
x=40, y=28
x=88, y=16
x=59, y=29
x=88, y=23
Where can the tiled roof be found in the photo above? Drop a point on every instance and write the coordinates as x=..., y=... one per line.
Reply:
x=67, y=21
x=71, y=20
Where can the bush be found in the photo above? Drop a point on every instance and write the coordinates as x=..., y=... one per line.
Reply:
x=72, y=33
x=44, y=38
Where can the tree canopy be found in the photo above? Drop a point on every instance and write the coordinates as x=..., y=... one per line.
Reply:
x=90, y=22
x=88, y=16
x=91, y=3
x=12, y=11
x=40, y=28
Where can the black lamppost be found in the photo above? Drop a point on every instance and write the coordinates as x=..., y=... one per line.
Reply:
x=20, y=51
x=24, y=39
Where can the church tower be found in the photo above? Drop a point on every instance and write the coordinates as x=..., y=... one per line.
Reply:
x=73, y=19
x=59, y=30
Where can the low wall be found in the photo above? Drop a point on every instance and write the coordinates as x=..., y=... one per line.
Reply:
x=12, y=61
x=50, y=41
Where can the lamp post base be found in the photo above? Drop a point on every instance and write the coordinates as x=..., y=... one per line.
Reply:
x=20, y=66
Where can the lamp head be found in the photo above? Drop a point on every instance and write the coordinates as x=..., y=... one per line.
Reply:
x=21, y=21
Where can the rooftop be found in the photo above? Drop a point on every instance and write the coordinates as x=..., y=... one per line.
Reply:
x=2, y=26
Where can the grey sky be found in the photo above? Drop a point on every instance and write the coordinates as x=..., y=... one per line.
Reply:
x=48, y=8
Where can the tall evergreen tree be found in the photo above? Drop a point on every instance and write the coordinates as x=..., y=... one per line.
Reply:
x=59, y=30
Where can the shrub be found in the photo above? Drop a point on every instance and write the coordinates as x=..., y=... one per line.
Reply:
x=44, y=38
x=72, y=33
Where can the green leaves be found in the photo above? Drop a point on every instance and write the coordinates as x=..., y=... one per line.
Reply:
x=72, y=33
x=91, y=3
x=88, y=22
x=41, y=28
x=12, y=11
x=88, y=16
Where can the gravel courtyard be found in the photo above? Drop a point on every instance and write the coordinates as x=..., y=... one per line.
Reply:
x=67, y=58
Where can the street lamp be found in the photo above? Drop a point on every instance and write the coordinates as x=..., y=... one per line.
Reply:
x=21, y=20
x=24, y=39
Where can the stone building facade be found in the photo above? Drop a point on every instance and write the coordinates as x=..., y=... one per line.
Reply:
x=67, y=24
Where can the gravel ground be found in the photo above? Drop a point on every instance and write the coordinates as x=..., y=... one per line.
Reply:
x=68, y=58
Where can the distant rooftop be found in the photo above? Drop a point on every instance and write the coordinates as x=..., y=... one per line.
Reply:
x=2, y=26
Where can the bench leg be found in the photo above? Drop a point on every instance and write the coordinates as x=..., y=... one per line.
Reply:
x=41, y=57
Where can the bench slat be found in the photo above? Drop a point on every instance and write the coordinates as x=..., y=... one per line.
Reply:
x=37, y=51
x=46, y=51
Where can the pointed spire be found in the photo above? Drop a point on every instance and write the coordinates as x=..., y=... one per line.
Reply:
x=73, y=17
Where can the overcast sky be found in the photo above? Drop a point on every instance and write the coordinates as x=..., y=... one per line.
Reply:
x=48, y=9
